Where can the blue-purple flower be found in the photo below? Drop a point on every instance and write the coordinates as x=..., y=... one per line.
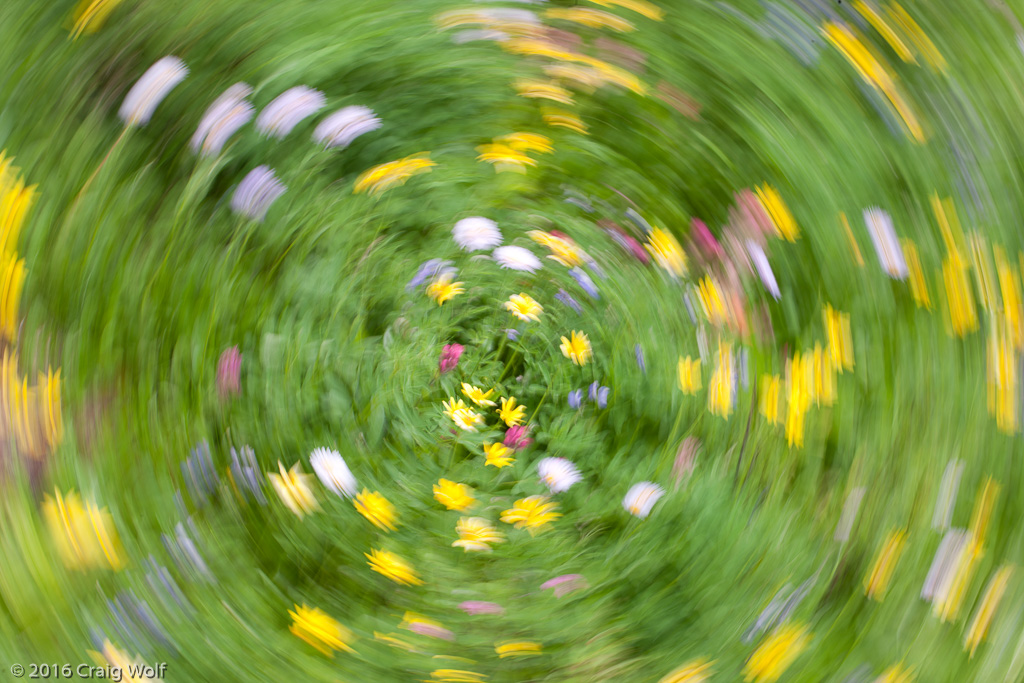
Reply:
x=585, y=282
x=429, y=270
x=640, y=358
x=512, y=334
x=598, y=394
x=257, y=191
x=576, y=399
x=567, y=299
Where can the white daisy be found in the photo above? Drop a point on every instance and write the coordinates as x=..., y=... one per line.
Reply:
x=226, y=115
x=345, y=125
x=558, y=474
x=147, y=93
x=764, y=269
x=257, y=191
x=476, y=234
x=641, y=498
x=333, y=472
x=516, y=258
x=887, y=244
x=471, y=35
x=289, y=109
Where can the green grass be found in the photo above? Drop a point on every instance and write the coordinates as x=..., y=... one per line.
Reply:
x=135, y=290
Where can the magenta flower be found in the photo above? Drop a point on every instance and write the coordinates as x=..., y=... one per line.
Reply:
x=517, y=437
x=565, y=584
x=475, y=607
x=705, y=239
x=228, y=369
x=431, y=630
x=450, y=355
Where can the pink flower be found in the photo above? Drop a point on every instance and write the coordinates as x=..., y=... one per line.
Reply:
x=475, y=607
x=705, y=239
x=228, y=369
x=685, y=459
x=450, y=356
x=517, y=437
x=432, y=630
x=754, y=214
x=565, y=584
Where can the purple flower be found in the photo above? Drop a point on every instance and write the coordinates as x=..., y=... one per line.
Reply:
x=584, y=281
x=598, y=394
x=246, y=476
x=257, y=191
x=640, y=358
x=517, y=437
x=565, y=584
x=512, y=334
x=566, y=299
x=288, y=110
x=226, y=115
x=450, y=356
x=345, y=125
x=576, y=399
x=228, y=370
x=479, y=607
x=200, y=475
x=429, y=270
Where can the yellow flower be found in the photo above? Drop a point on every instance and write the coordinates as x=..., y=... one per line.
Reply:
x=526, y=142
x=918, y=285
x=585, y=76
x=524, y=307
x=504, y=158
x=666, y=252
x=896, y=674
x=452, y=406
x=392, y=174
x=12, y=279
x=577, y=348
x=962, y=314
x=1009, y=287
x=115, y=659
x=498, y=454
x=783, y=220
x=799, y=394
x=318, y=629
x=48, y=387
x=392, y=566
x=467, y=420
x=887, y=32
x=987, y=609
x=90, y=15
x=376, y=509
x=293, y=488
x=983, y=510
x=510, y=413
x=983, y=272
x=84, y=534
x=15, y=201
x=840, y=341
x=517, y=649
x=697, y=671
x=647, y=9
x=853, y=241
x=776, y=654
x=453, y=496
x=877, y=580
x=557, y=118
x=924, y=45
x=543, y=90
x=475, y=533
x=720, y=396
x=442, y=289
x=394, y=641
x=531, y=513
x=711, y=302
x=689, y=375
x=1002, y=378
x=947, y=605
x=592, y=18
x=769, y=401
x=477, y=395
x=455, y=676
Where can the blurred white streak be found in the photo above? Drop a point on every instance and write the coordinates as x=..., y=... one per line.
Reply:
x=946, y=501
x=147, y=93
x=850, y=509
